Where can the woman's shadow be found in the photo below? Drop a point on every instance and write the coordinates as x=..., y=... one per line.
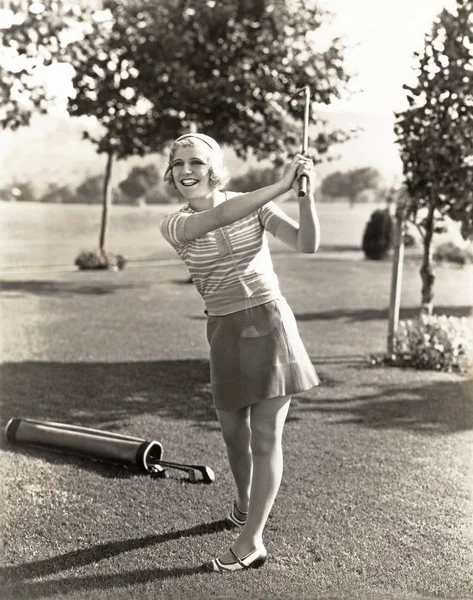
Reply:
x=17, y=579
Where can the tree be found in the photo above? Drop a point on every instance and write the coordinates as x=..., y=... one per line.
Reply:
x=139, y=181
x=435, y=135
x=148, y=71
x=350, y=183
x=58, y=194
x=19, y=191
x=91, y=189
x=253, y=179
x=230, y=69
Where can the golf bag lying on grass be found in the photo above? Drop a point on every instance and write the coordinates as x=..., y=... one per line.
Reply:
x=100, y=445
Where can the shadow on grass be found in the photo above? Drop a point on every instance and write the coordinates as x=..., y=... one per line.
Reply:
x=187, y=281
x=16, y=577
x=374, y=314
x=339, y=248
x=63, y=288
x=433, y=409
x=341, y=359
x=107, y=395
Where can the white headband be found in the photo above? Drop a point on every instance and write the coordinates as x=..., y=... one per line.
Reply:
x=203, y=138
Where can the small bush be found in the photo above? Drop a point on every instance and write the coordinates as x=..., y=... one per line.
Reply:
x=100, y=259
x=435, y=343
x=378, y=235
x=450, y=252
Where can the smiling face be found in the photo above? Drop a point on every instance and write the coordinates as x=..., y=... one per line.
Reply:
x=191, y=168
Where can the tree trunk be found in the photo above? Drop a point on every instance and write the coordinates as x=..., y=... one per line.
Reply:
x=396, y=278
x=107, y=200
x=426, y=270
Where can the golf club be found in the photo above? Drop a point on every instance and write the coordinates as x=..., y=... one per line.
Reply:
x=304, y=180
x=158, y=472
x=208, y=476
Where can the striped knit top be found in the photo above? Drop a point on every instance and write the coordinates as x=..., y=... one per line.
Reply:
x=231, y=267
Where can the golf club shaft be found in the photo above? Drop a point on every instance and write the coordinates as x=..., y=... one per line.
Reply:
x=186, y=468
x=304, y=180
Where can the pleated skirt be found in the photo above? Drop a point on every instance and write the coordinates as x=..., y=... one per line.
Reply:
x=257, y=354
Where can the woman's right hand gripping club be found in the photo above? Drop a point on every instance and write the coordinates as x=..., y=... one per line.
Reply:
x=299, y=165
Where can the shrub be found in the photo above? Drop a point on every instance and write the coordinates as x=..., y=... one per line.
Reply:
x=139, y=180
x=409, y=238
x=58, y=194
x=162, y=193
x=100, y=259
x=452, y=253
x=378, y=235
x=90, y=191
x=436, y=343
x=253, y=179
x=19, y=192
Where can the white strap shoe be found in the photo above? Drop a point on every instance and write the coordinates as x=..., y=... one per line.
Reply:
x=253, y=560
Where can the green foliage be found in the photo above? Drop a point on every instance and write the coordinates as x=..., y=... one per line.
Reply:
x=19, y=191
x=349, y=184
x=59, y=194
x=435, y=133
x=409, y=239
x=437, y=343
x=451, y=252
x=253, y=179
x=139, y=181
x=155, y=69
x=162, y=193
x=378, y=235
x=90, y=191
x=100, y=259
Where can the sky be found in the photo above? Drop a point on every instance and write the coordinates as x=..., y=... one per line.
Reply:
x=382, y=36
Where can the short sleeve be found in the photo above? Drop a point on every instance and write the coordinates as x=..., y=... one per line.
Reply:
x=172, y=228
x=271, y=216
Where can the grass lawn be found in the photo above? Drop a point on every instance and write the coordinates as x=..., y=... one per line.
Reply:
x=376, y=500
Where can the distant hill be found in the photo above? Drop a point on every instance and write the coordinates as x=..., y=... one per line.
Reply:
x=52, y=150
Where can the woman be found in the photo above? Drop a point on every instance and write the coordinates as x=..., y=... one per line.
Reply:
x=257, y=359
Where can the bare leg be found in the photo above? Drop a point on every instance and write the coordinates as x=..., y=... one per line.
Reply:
x=267, y=420
x=235, y=426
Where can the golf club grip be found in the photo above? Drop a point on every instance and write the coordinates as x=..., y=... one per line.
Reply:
x=303, y=186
